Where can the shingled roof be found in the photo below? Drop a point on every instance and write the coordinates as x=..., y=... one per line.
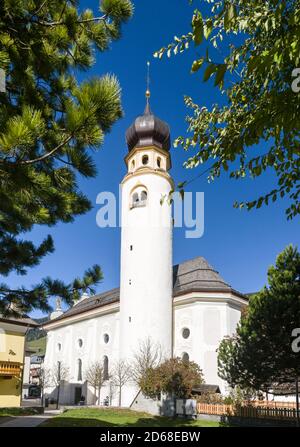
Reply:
x=195, y=275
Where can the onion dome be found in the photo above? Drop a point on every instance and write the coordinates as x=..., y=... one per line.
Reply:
x=148, y=130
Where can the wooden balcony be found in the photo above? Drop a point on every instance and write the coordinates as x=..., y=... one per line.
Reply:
x=10, y=368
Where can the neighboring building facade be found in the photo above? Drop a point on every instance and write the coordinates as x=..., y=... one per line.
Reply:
x=12, y=342
x=186, y=309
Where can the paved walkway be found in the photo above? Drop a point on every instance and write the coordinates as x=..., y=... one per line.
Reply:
x=29, y=421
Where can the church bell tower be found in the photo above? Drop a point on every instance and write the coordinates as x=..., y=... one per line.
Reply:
x=146, y=240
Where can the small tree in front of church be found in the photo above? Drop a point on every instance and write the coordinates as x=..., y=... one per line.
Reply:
x=174, y=377
x=95, y=376
x=121, y=374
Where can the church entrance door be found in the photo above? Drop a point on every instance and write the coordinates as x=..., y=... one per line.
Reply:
x=78, y=394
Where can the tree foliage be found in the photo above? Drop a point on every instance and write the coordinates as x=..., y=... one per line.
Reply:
x=49, y=123
x=256, y=46
x=174, y=377
x=148, y=356
x=261, y=353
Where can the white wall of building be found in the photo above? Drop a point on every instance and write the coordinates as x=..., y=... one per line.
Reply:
x=94, y=348
x=208, y=317
x=209, y=322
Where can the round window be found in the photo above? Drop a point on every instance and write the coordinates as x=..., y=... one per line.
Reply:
x=106, y=338
x=145, y=160
x=186, y=332
x=80, y=343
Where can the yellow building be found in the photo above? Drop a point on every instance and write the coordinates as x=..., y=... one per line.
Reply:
x=12, y=343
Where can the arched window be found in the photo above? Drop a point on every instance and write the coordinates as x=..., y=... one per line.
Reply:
x=145, y=160
x=135, y=198
x=185, y=357
x=139, y=197
x=158, y=162
x=144, y=196
x=80, y=343
x=79, y=370
x=106, y=338
x=132, y=164
x=105, y=368
x=59, y=346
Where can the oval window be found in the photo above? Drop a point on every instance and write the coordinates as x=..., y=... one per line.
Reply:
x=186, y=332
x=106, y=338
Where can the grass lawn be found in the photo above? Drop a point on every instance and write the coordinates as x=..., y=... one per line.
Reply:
x=17, y=411
x=7, y=413
x=93, y=417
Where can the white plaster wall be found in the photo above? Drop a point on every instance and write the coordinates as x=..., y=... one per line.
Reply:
x=207, y=320
x=94, y=348
x=208, y=323
x=146, y=270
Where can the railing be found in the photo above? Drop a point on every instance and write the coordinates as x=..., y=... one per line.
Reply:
x=249, y=411
x=218, y=409
x=10, y=368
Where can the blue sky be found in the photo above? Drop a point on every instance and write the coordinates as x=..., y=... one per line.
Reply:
x=240, y=245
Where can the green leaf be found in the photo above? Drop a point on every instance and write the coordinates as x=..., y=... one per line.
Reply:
x=197, y=25
x=229, y=15
x=221, y=70
x=207, y=28
x=197, y=65
x=209, y=71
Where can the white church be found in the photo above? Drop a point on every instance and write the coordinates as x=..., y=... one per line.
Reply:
x=186, y=309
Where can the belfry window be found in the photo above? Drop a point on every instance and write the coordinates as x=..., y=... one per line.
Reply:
x=105, y=368
x=135, y=198
x=79, y=370
x=139, y=198
x=145, y=160
x=144, y=196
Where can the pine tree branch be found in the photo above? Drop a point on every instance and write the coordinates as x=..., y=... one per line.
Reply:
x=58, y=23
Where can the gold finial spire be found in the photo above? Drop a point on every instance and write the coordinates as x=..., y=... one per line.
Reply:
x=148, y=93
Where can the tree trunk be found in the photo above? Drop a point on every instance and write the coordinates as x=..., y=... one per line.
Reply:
x=297, y=402
x=58, y=393
x=120, y=396
x=95, y=393
x=99, y=391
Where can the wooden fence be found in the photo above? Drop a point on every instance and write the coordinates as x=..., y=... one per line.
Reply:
x=248, y=411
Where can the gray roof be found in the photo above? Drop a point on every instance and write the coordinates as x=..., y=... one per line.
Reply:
x=20, y=321
x=195, y=275
x=207, y=389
